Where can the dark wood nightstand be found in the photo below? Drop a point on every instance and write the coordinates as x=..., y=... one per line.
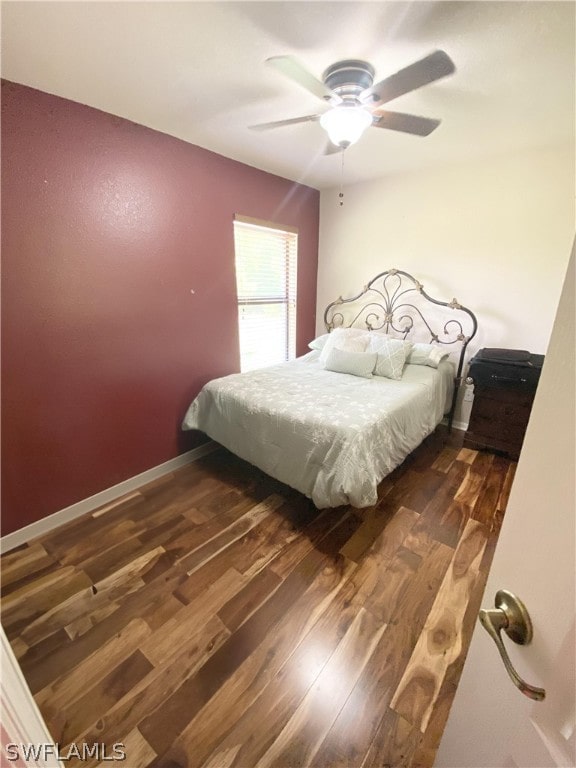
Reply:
x=504, y=391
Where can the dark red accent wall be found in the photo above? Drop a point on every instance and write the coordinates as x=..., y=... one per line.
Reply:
x=118, y=293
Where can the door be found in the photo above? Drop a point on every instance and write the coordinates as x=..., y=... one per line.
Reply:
x=24, y=738
x=491, y=724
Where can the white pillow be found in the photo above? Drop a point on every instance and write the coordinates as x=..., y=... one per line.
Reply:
x=318, y=343
x=347, y=339
x=427, y=354
x=391, y=356
x=355, y=363
x=380, y=334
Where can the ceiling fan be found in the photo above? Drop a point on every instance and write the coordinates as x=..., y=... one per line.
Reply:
x=348, y=86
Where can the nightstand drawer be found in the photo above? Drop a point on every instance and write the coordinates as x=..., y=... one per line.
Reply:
x=494, y=432
x=520, y=394
x=510, y=412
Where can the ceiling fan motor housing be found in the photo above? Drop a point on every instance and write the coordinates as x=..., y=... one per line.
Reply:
x=349, y=78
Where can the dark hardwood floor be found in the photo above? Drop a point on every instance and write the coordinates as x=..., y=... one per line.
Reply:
x=216, y=618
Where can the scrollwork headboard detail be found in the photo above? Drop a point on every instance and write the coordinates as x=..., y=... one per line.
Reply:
x=396, y=303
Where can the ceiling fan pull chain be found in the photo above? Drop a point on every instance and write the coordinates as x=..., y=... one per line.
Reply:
x=341, y=194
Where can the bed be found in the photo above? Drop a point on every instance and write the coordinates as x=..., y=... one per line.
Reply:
x=334, y=422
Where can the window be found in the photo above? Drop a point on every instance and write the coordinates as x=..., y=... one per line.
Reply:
x=266, y=257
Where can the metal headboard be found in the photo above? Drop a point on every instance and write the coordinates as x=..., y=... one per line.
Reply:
x=393, y=302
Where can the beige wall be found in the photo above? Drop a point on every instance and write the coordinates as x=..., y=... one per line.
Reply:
x=495, y=234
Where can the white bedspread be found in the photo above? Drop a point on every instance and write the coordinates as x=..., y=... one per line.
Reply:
x=331, y=436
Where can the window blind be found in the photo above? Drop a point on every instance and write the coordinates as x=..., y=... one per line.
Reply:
x=265, y=259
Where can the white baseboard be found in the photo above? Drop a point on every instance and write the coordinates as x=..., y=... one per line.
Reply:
x=41, y=527
x=463, y=425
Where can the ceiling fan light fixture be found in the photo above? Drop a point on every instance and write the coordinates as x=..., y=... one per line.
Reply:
x=345, y=124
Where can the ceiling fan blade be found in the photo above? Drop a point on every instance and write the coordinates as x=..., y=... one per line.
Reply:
x=291, y=68
x=399, y=121
x=280, y=123
x=433, y=67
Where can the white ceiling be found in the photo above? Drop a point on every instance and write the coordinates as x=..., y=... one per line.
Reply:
x=196, y=70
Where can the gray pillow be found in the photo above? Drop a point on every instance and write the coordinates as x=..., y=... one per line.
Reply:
x=391, y=356
x=355, y=363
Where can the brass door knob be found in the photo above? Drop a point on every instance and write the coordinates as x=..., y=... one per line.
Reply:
x=511, y=615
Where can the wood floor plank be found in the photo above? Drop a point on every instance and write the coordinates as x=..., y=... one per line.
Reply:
x=263, y=543
x=423, y=753
x=105, y=563
x=131, y=576
x=23, y=557
x=30, y=578
x=487, y=503
x=164, y=610
x=266, y=660
x=244, y=744
x=166, y=641
x=196, y=516
x=267, y=688
x=161, y=729
x=453, y=521
x=466, y=455
x=38, y=653
x=382, y=560
x=359, y=719
x=394, y=744
x=445, y=459
x=93, y=542
x=311, y=535
x=67, y=721
x=434, y=519
x=37, y=588
x=29, y=603
x=84, y=623
x=67, y=689
x=404, y=488
x=76, y=608
x=240, y=607
x=374, y=521
x=19, y=647
x=116, y=503
x=204, y=627
x=164, y=534
x=93, y=600
x=198, y=492
x=229, y=535
x=158, y=686
x=470, y=487
x=482, y=462
x=440, y=642
x=422, y=488
x=137, y=751
x=393, y=582
x=299, y=740
x=249, y=554
x=506, y=487
x=40, y=671
x=194, y=585
x=123, y=522
x=56, y=542
x=24, y=564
